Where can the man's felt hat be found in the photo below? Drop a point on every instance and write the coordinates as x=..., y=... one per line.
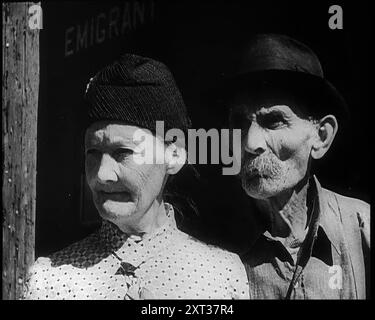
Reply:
x=283, y=63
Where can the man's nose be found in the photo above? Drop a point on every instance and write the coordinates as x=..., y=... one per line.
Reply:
x=255, y=142
x=106, y=172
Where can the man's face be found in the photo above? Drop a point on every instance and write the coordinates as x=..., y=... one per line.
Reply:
x=122, y=189
x=275, y=147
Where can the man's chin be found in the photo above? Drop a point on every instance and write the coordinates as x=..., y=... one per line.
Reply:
x=259, y=188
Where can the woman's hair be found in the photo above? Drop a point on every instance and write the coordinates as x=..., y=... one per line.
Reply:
x=177, y=193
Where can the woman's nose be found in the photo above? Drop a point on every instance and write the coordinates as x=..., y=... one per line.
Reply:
x=106, y=172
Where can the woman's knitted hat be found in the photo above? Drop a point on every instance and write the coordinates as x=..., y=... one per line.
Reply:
x=138, y=91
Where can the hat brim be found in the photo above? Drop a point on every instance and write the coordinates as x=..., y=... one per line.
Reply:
x=319, y=92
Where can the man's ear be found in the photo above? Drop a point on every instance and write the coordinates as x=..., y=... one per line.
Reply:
x=327, y=129
x=175, y=158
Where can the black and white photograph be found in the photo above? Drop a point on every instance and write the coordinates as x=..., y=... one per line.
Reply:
x=186, y=150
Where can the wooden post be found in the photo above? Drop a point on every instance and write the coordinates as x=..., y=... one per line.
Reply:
x=19, y=129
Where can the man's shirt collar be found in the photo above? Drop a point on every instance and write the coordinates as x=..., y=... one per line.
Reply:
x=329, y=219
x=324, y=216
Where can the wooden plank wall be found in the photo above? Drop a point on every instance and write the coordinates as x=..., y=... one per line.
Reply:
x=19, y=133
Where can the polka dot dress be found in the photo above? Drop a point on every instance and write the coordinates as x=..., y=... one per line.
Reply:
x=167, y=264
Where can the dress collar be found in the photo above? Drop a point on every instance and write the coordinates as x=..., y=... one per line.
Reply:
x=112, y=236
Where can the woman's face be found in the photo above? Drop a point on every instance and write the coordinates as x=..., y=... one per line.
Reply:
x=123, y=189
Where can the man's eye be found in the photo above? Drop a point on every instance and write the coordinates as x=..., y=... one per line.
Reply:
x=121, y=153
x=272, y=121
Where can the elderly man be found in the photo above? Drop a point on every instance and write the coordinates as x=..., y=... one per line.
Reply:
x=311, y=243
x=138, y=253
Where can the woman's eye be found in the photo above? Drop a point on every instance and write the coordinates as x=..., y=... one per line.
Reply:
x=121, y=153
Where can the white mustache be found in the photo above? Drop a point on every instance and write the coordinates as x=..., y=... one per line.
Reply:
x=265, y=165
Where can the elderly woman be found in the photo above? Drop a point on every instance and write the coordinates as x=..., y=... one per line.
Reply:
x=138, y=252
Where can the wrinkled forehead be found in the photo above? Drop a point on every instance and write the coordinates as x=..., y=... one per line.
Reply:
x=115, y=132
x=251, y=101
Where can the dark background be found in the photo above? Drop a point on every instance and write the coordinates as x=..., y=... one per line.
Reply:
x=197, y=41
